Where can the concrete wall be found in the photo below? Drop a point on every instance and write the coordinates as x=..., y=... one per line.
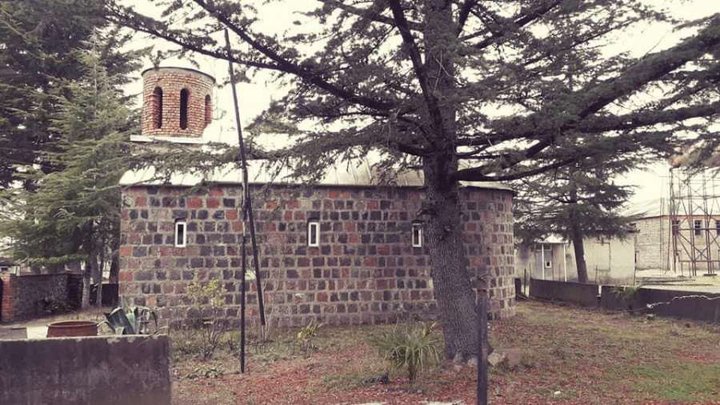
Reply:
x=609, y=260
x=576, y=293
x=95, y=370
x=32, y=295
x=669, y=303
x=364, y=271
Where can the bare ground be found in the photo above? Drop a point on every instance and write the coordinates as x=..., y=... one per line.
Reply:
x=569, y=356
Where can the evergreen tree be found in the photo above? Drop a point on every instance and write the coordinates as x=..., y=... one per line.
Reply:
x=467, y=90
x=37, y=39
x=73, y=213
x=577, y=201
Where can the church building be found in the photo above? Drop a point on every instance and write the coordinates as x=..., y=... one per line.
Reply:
x=346, y=250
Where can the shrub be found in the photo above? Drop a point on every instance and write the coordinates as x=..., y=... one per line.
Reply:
x=626, y=295
x=306, y=336
x=410, y=347
x=210, y=329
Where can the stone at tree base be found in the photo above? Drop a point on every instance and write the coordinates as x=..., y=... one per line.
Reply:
x=495, y=358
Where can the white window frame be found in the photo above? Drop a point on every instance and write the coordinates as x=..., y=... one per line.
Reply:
x=183, y=242
x=417, y=241
x=313, y=224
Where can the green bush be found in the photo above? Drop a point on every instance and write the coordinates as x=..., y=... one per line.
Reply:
x=411, y=347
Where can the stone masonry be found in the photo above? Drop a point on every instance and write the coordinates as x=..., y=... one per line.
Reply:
x=364, y=271
x=27, y=296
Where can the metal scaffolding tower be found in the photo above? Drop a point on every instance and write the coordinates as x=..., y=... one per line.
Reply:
x=694, y=222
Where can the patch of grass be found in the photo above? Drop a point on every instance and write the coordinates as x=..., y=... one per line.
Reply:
x=349, y=381
x=680, y=381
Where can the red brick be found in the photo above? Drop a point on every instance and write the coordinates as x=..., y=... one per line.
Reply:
x=194, y=202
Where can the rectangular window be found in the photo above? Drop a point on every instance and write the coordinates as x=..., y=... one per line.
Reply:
x=313, y=233
x=698, y=227
x=180, y=234
x=417, y=235
x=675, y=226
x=717, y=227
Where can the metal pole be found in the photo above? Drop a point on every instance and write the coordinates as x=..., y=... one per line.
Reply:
x=609, y=257
x=482, y=377
x=247, y=215
x=246, y=192
x=565, y=261
x=242, y=303
x=542, y=255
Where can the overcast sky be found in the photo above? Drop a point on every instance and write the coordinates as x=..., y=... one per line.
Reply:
x=255, y=96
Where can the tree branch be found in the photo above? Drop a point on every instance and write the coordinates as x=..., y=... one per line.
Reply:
x=582, y=103
x=288, y=66
x=372, y=15
x=464, y=14
x=524, y=18
x=479, y=173
x=418, y=66
x=647, y=118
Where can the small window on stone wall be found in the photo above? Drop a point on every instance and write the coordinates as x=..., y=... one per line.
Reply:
x=156, y=109
x=184, y=99
x=698, y=227
x=417, y=234
x=313, y=233
x=180, y=233
x=208, y=110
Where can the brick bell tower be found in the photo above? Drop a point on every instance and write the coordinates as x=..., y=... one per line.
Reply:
x=177, y=102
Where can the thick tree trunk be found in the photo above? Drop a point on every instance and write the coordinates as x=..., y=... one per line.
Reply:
x=114, y=269
x=87, y=285
x=96, y=273
x=454, y=293
x=577, y=240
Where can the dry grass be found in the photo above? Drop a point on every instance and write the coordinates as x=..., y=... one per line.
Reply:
x=570, y=356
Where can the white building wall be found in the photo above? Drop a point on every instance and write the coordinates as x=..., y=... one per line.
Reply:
x=652, y=237
x=610, y=260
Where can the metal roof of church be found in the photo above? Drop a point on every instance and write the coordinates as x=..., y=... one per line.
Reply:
x=343, y=174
